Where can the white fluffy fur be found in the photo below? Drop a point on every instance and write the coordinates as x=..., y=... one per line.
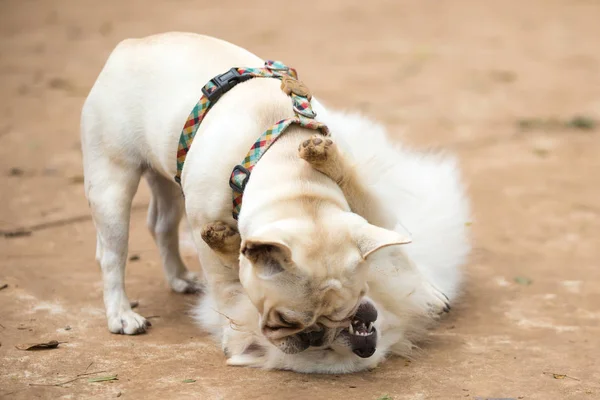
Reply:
x=429, y=201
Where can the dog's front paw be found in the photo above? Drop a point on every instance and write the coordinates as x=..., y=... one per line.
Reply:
x=241, y=349
x=128, y=323
x=221, y=237
x=317, y=150
x=188, y=283
x=438, y=303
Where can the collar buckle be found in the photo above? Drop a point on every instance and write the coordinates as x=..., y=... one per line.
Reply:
x=237, y=171
x=224, y=83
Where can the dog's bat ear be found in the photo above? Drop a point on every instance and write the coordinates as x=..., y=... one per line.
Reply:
x=371, y=238
x=267, y=256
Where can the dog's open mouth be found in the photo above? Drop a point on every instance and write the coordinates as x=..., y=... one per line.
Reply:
x=360, y=328
x=361, y=334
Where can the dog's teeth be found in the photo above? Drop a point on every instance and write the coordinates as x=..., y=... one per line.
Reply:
x=371, y=326
x=351, y=329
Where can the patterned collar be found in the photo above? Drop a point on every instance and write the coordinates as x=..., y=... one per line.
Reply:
x=218, y=86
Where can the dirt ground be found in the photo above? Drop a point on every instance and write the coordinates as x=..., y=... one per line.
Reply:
x=497, y=83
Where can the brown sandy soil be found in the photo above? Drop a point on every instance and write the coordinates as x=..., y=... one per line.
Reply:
x=458, y=75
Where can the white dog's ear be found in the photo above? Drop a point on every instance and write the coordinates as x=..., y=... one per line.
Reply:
x=371, y=238
x=267, y=256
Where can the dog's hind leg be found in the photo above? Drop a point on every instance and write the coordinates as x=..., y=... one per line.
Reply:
x=164, y=215
x=324, y=156
x=110, y=188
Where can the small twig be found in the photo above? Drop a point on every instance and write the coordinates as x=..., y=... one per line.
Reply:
x=79, y=376
x=91, y=373
x=232, y=324
x=56, y=384
x=560, y=376
x=88, y=367
x=153, y=316
x=13, y=392
x=25, y=230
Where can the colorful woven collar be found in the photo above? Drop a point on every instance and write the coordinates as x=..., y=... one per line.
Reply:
x=221, y=84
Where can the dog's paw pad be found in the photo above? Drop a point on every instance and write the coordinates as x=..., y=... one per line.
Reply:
x=128, y=323
x=218, y=235
x=316, y=149
x=438, y=304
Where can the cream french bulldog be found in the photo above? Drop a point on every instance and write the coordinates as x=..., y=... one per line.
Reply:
x=423, y=194
x=305, y=259
x=304, y=251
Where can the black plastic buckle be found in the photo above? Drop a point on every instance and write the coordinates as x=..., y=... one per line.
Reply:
x=233, y=185
x=224, y=83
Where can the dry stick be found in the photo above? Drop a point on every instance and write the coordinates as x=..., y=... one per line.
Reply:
x=88, y=367
x=62, y=222
x=91, y=373
x=79, y=376
x=563, y=375
x=56, y=384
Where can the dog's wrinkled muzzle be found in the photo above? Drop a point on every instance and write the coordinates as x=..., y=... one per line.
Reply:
x=314, y=339
x=361, y=334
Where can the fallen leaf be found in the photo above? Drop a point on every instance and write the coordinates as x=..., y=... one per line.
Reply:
x=103, y=378
x=521, y=280
x=540, y=152
x=53, y=344
x=385, y=397
x=67, y=328
x=16, y=171
x=503, y=76
x=134, y=257
x=189, y=381
x=76, y=179
x=560, y=376
x=581, y=122
x=60, y=83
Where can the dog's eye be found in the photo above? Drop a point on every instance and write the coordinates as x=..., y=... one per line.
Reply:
x=285, y=321
x=273, y=328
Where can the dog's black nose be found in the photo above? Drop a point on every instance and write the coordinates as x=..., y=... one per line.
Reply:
x=364, y=352
x=366, y=312
x=315, y=338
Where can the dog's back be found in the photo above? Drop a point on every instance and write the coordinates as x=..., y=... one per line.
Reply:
x=146, y=90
